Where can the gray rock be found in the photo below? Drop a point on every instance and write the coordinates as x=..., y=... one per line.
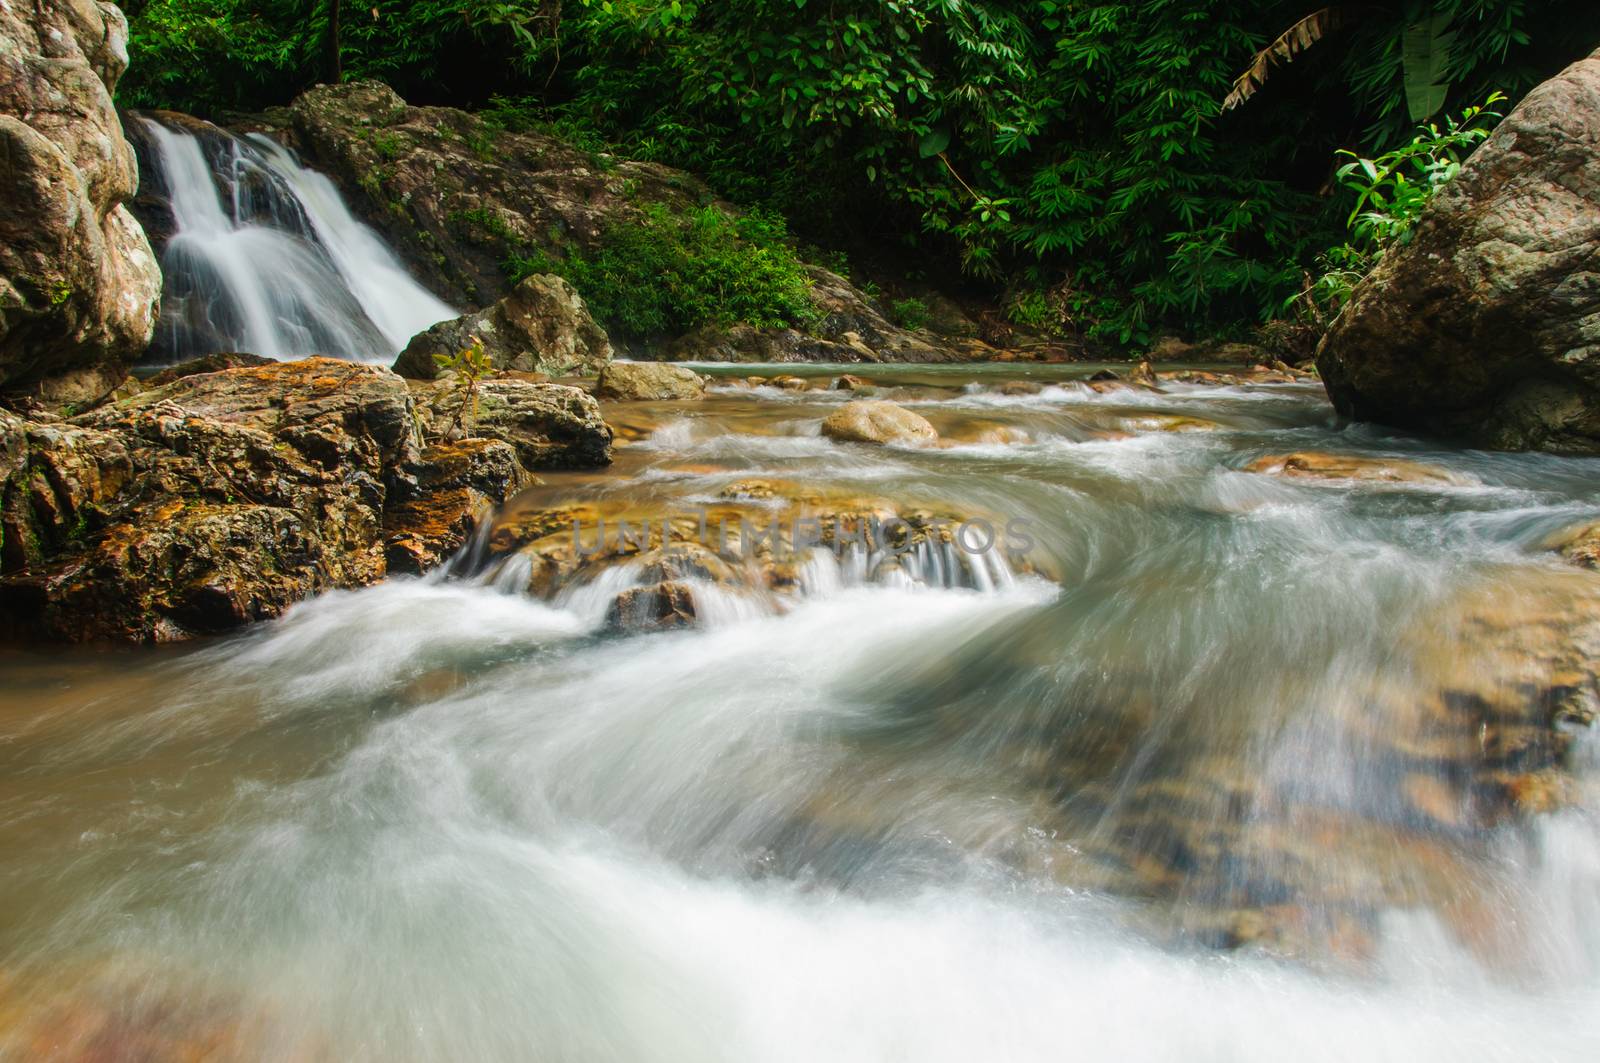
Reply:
x=541, y=326
x=1486, y=325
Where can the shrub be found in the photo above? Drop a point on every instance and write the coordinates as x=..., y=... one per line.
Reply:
x=669, y=273
x=909, y=313
x=1391, y=191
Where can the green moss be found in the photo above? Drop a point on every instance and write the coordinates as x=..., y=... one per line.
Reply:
x=387, y=145
x=668, y=273
x=484, y=220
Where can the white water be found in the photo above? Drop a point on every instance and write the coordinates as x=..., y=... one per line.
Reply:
x=439, y=820
x=267, y=259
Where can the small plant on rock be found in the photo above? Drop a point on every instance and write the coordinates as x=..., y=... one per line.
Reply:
x=466, y=368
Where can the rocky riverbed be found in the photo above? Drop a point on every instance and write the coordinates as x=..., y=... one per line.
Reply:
x=1160, y=670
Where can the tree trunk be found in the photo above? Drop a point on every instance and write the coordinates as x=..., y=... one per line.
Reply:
x=334, y=64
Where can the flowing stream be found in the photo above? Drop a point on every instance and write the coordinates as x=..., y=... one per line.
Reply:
x=1215, y=769
x=265, y=257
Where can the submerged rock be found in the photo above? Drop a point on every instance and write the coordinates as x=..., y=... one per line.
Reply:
x=541, y=326
x=668, y=604
x=79, y=285
x=1486, y=324
x=1315, y=465
x=879, y=422
x=1580, y=545
x=648, y=381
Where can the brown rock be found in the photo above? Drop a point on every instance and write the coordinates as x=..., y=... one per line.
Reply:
x=1313, y=465
x=666, y=605
x=551, y=426
x=441, y=498
x=649, y=382
x=1486, y=324
x=1581, y=546
x=210, y=363
x=878, y=422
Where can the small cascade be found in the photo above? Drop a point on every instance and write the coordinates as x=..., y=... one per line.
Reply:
x=265, y=257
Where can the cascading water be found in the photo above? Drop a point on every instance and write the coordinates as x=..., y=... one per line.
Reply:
x=1232, y=784
x=265, y=257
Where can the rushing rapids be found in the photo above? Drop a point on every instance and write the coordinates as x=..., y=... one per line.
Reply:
x=1273, y=740
x=264, y=256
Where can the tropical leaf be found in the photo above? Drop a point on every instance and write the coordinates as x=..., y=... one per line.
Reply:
x=1425, y=52
x=1290, y=43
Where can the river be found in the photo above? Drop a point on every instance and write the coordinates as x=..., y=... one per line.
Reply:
x=1226, y=765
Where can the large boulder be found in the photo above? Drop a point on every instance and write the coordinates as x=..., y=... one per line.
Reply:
x=1486, y=325
x=79, y=285
x=648, y=381
x=225, y=497
x=542, y=326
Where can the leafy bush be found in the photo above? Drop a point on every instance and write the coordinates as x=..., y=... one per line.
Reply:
x=1391, y=191
x=911, y=313
x=1075, y=147
x=670, y=273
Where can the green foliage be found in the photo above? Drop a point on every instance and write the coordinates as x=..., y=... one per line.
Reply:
x=911, y=312
x=1392, y=189
x=1075, y=147
x=486, y=221
x=466, y=369
x=668, y=273
x=1390, y=192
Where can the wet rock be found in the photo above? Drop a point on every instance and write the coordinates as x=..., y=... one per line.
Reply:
x=79, y=285
x=848, y=382
x=1579, y=545
x=1167, y=422
x=1314, y=465
x=224, y=497
x=541, y=326
x=549, y=425
x=210, y=363
x=1485, y=325
x=985, y=433
x=649, y=382
x=1143, y=373
x=209, y=502
x=878, y=422
x=441, y=497
x=665, y=605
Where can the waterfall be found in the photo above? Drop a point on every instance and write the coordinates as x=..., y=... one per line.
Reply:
x=265, y=257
